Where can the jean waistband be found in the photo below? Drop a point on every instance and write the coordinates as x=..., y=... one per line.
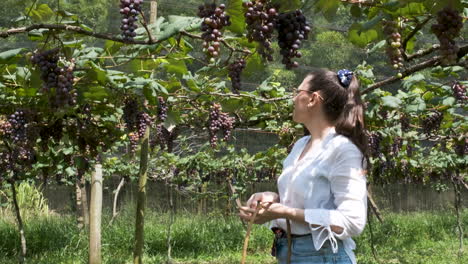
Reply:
x=281, y=233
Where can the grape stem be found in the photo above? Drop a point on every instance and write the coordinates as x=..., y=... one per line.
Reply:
x=361, y=3
x=418, y=27
x=145, y=25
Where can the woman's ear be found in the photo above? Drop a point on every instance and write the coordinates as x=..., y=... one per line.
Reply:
x=313, y=99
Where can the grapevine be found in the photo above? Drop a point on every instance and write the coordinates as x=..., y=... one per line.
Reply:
x=448, y=27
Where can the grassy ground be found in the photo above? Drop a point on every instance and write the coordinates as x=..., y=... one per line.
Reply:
x=428, y=238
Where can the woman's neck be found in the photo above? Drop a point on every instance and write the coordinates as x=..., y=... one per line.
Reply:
x=319, y=131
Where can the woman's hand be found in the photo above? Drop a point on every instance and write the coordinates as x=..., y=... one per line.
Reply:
x=263, y=197
x=269, y=211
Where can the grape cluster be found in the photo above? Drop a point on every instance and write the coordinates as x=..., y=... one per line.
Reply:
x=23, y=132
x=374, y=143
x=65, y=93
x=56, y=130
x=459, y=92
x=19, y=126
x=292, y=29
x=214, y=19
x=396, y=146
x=432, y=122
x=235, y=71
x=409, y=149
x=54, y=76
x=461, y=148
x=165, y=138
x=390, y=28
x=144, y=120
x=133, y=137
x=162, y=109
x=47, y=61
x=129, y=10
x=130, y=112
x=405, y=123
x=448, y=27
x=219, y=121
x=261, y=22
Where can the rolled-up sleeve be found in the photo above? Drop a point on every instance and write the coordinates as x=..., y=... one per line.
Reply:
x=348, y=187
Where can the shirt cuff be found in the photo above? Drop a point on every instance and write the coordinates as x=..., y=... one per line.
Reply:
x=324, y=218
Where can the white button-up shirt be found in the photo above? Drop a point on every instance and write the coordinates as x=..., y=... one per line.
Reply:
x=329, y=184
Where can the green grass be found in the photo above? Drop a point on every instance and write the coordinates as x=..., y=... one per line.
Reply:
x=429, y=238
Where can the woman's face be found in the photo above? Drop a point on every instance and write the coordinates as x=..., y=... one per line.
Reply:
x=304, y=101
x=301, y=99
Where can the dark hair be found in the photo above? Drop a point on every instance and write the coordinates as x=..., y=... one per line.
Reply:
x=342, y=107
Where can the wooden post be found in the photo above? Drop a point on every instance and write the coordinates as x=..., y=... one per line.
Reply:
x=22, y=257
x=95, y=216
x=154, y=11
x=141, y=201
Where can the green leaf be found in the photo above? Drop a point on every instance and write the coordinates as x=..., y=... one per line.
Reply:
x=176, y=66
x=412, y=80
x=411, y=9
x=378, y=46
x=361, y=38
x=254, y=64
x=67, y=14
x=67, y=151
x=151, y=91
x=328, y=8
x=355, y=11
x=42, y=13
x=232, y=104
x=372, y=23
x=97, y=73
x=70, y=171
x=236, y=12
x=391, y=101
x=73, y=43
x=85, y=27
x=417, y=105
x=449, y=101
x=174, y=25
x=7, y=57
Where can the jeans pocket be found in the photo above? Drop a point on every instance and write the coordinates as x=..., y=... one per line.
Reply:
x=304, y=246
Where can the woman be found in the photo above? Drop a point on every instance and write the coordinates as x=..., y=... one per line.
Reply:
x=322, y=189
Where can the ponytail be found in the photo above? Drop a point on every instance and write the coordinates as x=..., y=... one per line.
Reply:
x=343, y=105
x=351, y=121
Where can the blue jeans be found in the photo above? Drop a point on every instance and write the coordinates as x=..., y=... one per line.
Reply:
x=303, y=252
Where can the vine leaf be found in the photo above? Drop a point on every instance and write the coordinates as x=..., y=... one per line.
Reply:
x=9, y=56
x=359, y=37
x=236, y=12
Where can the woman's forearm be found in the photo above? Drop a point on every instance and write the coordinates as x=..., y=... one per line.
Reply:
x=297, y=215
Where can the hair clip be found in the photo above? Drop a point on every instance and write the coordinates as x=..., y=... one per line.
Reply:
x=345, y=76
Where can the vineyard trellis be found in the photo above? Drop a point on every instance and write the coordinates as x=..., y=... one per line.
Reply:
x=66, y=106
